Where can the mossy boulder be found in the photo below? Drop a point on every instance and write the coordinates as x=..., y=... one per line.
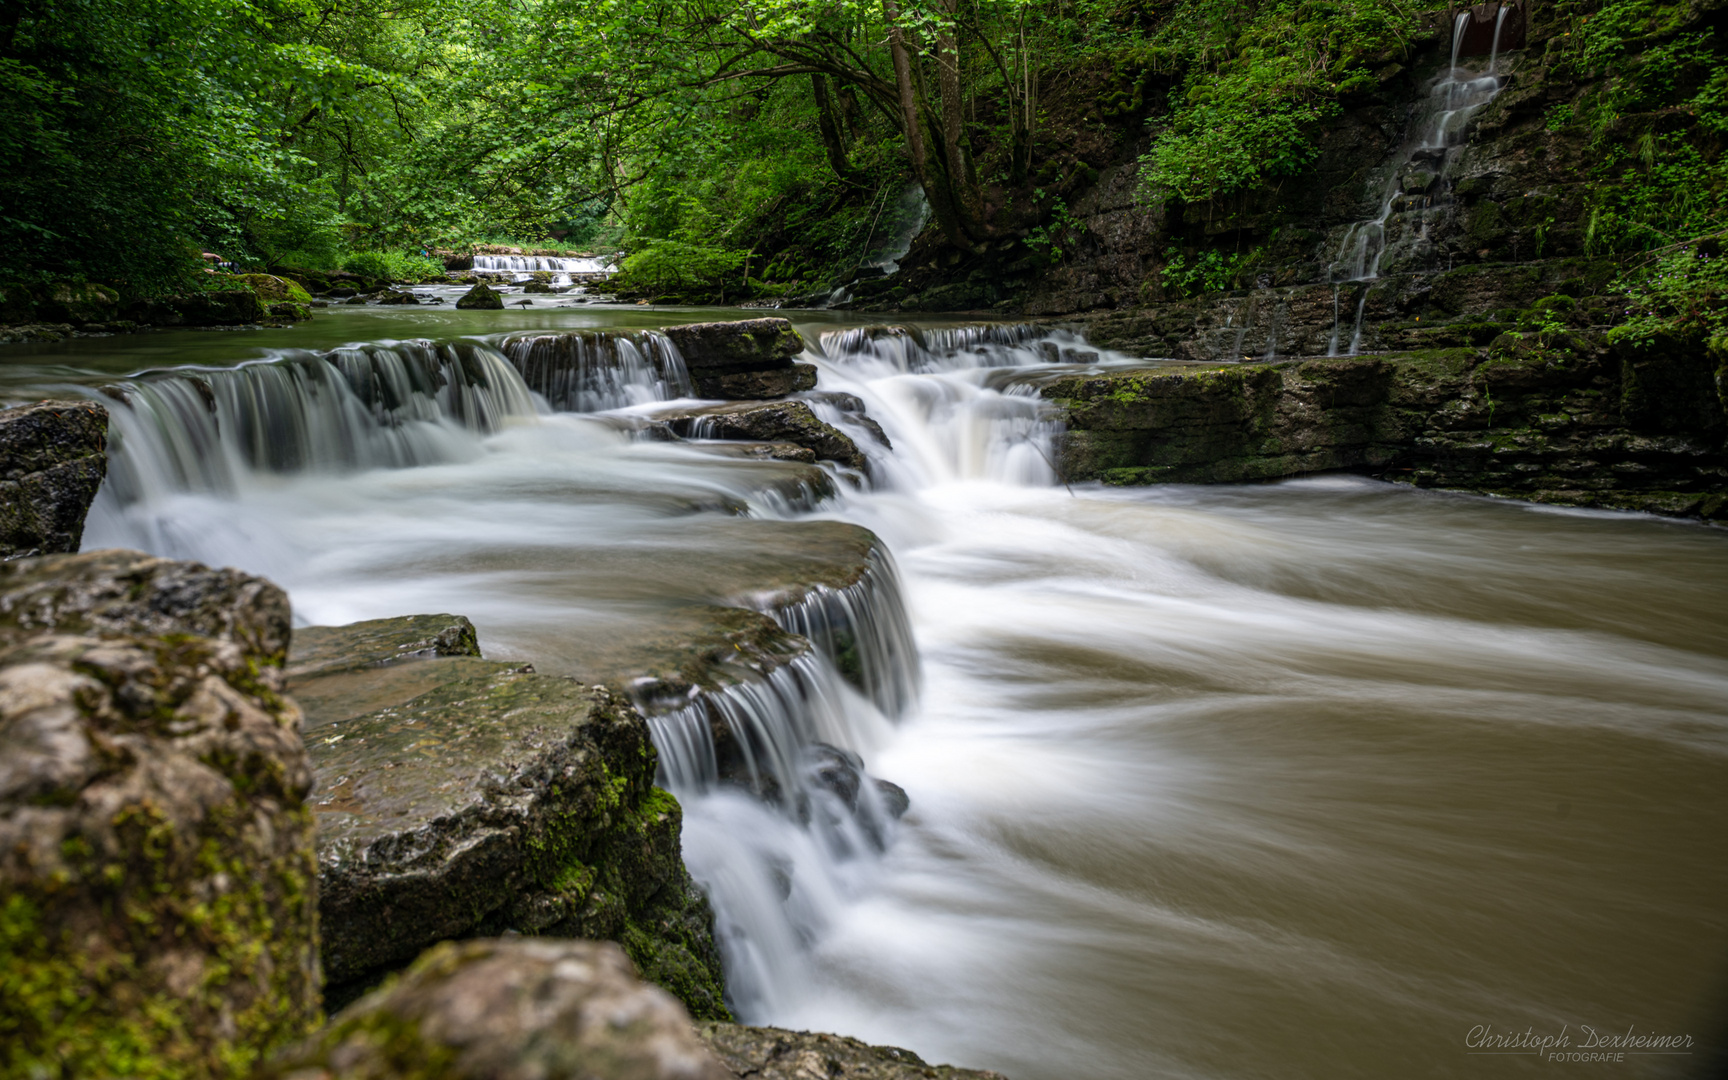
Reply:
x=53, y=456
x=218, y=307
x=272, y=289
x=513, y=1009
x=478, y=797
x=158, y=889
x=481, y=297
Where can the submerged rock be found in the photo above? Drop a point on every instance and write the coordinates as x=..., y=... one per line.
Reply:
x=477, y=797
x=764, y=1053
x=770, y=422
x=481, y=297
x=53, y=456
x=511, y=1009
x=155, y=848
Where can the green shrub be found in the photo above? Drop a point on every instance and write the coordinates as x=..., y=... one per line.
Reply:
x=665, y=267
x=392, y=265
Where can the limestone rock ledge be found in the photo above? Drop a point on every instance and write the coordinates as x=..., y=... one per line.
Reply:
x=158, y=891
x=1573, y=422
x=477, y=797
x=53, y=456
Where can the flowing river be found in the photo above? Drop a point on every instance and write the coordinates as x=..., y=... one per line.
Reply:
x=1328, y=778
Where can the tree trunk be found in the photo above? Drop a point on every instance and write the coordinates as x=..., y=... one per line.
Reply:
x=832, y=140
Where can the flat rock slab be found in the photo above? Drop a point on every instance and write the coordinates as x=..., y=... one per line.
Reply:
x=763, y=1053
x=53, y=457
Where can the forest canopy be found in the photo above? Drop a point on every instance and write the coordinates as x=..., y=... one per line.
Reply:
x=714, y=139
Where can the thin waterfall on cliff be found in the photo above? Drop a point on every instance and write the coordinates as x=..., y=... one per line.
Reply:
x=1417, y=194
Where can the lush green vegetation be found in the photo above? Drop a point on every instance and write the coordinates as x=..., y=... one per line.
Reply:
x=739, y=150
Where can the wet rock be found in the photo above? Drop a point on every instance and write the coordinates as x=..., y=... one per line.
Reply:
x=455, y=263
x=53, y=456
x=775, y=421
x=764, y=1053
x=481, y=297
x=747, y=360
x=155, y=848
x=478, y=797
x=393, y=297
x=511, y=1009
x=537, y=287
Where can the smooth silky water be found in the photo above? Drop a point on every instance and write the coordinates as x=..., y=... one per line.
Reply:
x=1298, y=780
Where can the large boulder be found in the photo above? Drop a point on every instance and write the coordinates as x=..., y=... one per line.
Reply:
x=769, y=422
x=743, y=361
x=511, y=1009
x=156, y=863
x=460, y=796
x=482, y=297
x=53, y=456
x=764, y=1053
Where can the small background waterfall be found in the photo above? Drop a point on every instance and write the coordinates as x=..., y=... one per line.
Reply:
x=1417, y=194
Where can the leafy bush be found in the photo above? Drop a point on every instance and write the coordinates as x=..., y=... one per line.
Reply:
x=1211, y=271
x=392, y=265
x=672, y=267
x=1683, y=294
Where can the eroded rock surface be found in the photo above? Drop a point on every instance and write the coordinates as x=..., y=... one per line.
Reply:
x=53, y=456
x=156, y=861
x=764, y=1053
x=511, y=1009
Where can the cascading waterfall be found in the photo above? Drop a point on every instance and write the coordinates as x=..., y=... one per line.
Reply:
x=782, y=824
x=917, y=350
x=391, y=405
x=1417, y=188
x=530, y=264
x=863, y=631
x=591, y=371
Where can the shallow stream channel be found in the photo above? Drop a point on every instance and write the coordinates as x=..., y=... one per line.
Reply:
x=1326, y=778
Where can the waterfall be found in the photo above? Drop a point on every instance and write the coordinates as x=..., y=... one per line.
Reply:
x=1416, y=189
x=781, y=823
x=390, y=405
x=863, y=631
x=591, y=371
x=529, y=264
x=922, y=350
